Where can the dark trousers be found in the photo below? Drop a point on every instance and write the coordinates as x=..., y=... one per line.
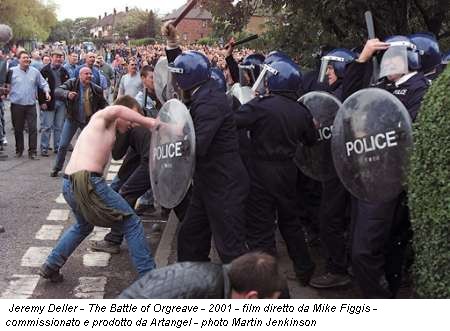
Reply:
x=380, y=236
x=334, y=221
x=273, y=196
x=309, y=193
x=19, y=115
x=216, y=210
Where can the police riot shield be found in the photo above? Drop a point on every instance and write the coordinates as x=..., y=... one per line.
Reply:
x=243, y=93
x=161, y=75
x=172, y=154
x=372, y=136
x=316, y=161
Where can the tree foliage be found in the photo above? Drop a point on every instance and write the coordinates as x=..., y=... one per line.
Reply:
x=29, y=19
x=429, y=192
x=71, y=30
x=139, y=24
x=300, y=27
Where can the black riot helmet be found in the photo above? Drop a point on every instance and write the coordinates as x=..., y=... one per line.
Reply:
x=250, y=68
x=430, y=56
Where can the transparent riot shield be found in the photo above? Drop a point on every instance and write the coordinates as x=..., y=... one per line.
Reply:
x=243, y=93
x=172, y=154
x=161, y=75
x=316, y=161
x=372, y=136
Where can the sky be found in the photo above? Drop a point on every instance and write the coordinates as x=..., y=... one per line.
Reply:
x=79, y=8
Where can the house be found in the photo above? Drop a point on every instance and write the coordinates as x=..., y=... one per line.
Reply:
x=105, y=27
x=196, y=25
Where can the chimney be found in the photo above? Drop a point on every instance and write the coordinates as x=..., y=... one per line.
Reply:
x=115, y=12
x=99, y=17
x=126, y=9
x=105, y=14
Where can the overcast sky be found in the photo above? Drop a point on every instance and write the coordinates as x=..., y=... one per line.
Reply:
x=78, y=8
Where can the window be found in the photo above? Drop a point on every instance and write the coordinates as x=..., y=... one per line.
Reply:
x=205, y=23
x=185, y=36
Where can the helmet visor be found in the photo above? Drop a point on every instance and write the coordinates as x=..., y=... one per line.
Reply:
x=394, y=60
x=246, y=75
x=325, y=62
x=259, y=87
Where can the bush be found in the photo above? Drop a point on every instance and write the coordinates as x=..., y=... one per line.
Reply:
x=429, y=192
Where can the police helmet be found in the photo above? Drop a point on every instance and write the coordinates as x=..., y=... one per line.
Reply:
x=276, y=56
x=283, y=76
x=253, y=63
x=338, y=58
x=191, y=68
x=218, y=76
x=426, y=43
x=412, y=51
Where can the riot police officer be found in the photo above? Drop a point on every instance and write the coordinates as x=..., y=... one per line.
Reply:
x=430, y=55
x=277, y=123
x=381, y=229
x=220, y=183
x=335, y=202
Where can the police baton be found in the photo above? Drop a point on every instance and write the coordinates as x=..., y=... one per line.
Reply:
x=185, y=11
x=242, y=41
x=371, y=35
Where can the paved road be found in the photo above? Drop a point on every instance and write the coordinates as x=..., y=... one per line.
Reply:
x=34, y=216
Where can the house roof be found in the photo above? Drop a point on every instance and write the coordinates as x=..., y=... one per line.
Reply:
x=198, y=13
x=110, y=19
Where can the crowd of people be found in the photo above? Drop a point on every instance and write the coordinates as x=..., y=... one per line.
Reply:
x=246, y=182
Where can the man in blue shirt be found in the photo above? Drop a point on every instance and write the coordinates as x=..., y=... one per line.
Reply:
x=89, y=61
x=22, y=82
x=71, y=65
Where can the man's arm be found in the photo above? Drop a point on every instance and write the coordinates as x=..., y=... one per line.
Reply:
x=62, y=92
x=121, y=87
x=112, y=113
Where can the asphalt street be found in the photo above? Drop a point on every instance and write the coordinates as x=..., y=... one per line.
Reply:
x=34, y=215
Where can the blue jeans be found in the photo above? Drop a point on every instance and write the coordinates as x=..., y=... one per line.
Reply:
x=132, y=228
x=52, y=121
x=69, y=129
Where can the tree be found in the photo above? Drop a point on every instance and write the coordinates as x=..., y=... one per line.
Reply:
x=29, y=19
x=300, y=27
x=139, y=24
x=70, y=30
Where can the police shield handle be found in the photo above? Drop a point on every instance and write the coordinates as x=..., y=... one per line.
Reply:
x=371, y=35
x=186, y=11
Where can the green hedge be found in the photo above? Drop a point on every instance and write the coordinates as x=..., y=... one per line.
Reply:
x=429, y=192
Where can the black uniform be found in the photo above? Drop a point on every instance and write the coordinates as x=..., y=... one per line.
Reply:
x=277, y=124
x=220, y=184
x=381, y=230
x=335, y=213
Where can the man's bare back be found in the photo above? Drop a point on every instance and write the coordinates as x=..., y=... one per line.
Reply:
x=93, y=148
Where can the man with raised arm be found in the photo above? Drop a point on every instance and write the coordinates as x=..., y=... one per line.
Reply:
x=92, y=201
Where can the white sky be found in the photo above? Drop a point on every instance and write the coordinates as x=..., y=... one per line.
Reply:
x=78, y=8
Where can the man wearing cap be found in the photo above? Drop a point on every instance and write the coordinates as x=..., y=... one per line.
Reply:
x=52, y=112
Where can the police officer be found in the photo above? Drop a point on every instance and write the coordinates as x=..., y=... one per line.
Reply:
x=381, y=230
x=335, y=202
x=277, y=124
x=220, y=184
x=430, y=55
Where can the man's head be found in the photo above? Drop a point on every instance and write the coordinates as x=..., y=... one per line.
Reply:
x=90, y=59
x=57, y=58
x=99, y=60
x=255, y=276
x=24, y=59
x=130, y=102
x=147, y=78
x=46, y=59
x=85, y=76
x=73, y=58
x=36, y=56
x=132, y=66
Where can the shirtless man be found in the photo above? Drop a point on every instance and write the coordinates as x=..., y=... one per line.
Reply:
x=101, y=206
